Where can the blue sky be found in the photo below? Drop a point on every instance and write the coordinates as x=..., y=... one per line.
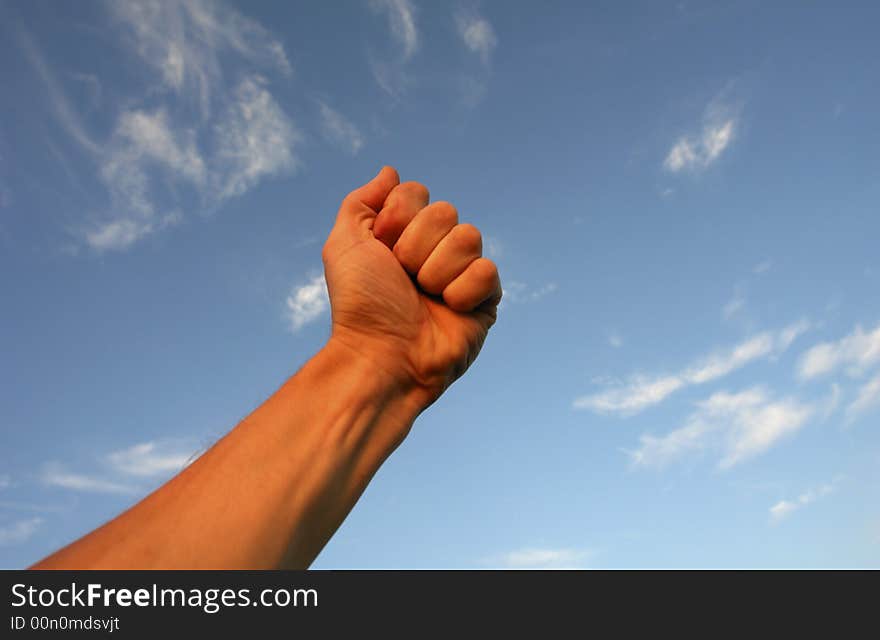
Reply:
x=682, y=199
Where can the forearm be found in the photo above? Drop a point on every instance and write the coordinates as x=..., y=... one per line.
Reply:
x=271, y=492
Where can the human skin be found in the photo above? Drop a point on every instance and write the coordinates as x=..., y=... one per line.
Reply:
x=412, y=301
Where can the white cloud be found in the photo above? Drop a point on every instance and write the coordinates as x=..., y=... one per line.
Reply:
x=856, y=353
x=867, y=399
x=681, y=155
x=307, y=303
x=715, y=140
x=696, y=151
x=615, y=340
x=20, y=531
x=477, y=34
x=791, y=333
x=5, y=481
x=402, y=23
x=643, y=391
x=389, y=75
x=782, y=509
x=118, y=235
x=254, y=138
x=212, y=126
x=738, y=426
x=55, y=475
x=142, y=147
x=339, y=130
x=150, y=459
x=538, y=558
x=640, y=393
x=785, y=508
x=183, y=41
x=695, y=154
x=520, y=292
x=147, y=136
x=119, y=472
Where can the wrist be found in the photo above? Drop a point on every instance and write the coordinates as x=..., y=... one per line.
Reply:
x=375, y=375
x=385, y=365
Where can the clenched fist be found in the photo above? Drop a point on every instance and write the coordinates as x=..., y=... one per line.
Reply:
x=409, y=288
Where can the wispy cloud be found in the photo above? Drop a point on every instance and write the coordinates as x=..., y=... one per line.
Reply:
x=68, y=117
x=252, y=139
x=762, y=267
x=148, y=135
x=738, y=426
x=117, y=235
x=124, y=471
x=785, y=508
x=389, y=66
x=696, y=151
x=855, y=353
x=55, y=475
x=519, y=292
x=642, y=392
x=478, y=37
x=401, y=17
x=339, y=129
x=493, y=247
x=542, y=558
x=5, y=481
x=212, y=131
x=476, y=33
x=142, y=141
x=20, y=531
x=150, y=459
x=255, y=139
x=307, y=302
x=615, y=340
x=735, y=305
x=868, y=398
x=183, y=41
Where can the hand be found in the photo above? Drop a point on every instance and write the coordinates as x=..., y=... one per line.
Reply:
x=408, y=287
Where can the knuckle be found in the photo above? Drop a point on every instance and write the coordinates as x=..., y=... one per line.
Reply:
x=485, y=270
x=391, y=213
x=415, y=189
x=403, y=255
x=391, y=205
x=454, y=300
x=468, y=238
x=445, y=213
x=427, y=283
x=351, y=199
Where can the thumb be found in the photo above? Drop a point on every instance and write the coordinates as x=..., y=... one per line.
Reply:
x=373, y=194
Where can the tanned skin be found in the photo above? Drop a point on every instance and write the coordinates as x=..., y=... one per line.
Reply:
x=412, y=301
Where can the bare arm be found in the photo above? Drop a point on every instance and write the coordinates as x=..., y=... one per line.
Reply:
x=412, y=302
